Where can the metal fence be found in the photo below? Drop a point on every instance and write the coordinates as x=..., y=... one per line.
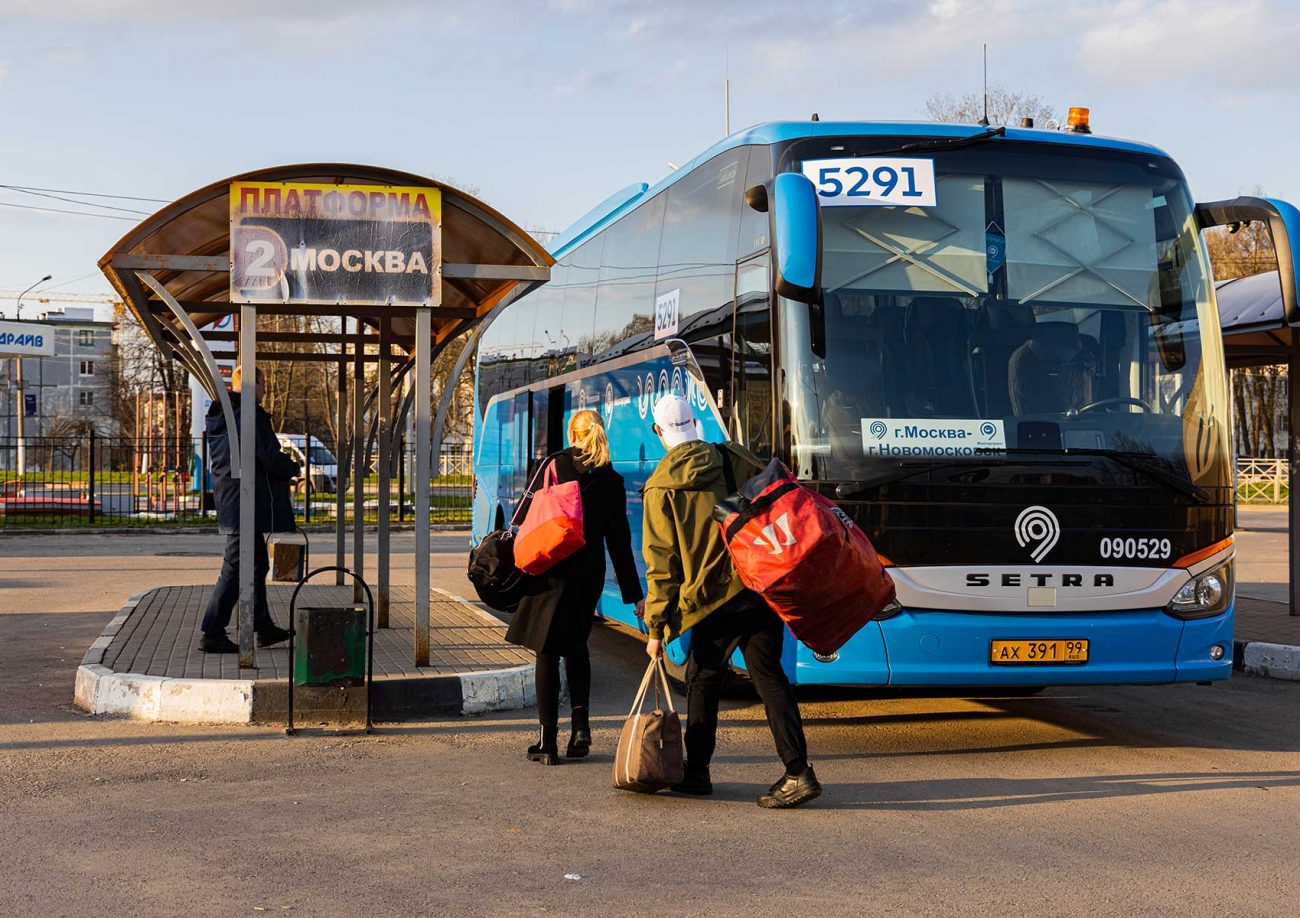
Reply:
x=1263, y=481
x=77, y=482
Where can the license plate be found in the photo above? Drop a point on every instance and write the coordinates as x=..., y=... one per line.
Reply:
x=1029, y=653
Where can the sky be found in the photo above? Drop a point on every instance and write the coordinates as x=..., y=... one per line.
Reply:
x=548, y=106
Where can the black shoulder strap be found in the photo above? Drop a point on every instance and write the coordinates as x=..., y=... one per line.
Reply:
x=728, y=474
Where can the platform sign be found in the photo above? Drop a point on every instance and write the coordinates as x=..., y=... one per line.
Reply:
x=25, y=339
x=335, y=244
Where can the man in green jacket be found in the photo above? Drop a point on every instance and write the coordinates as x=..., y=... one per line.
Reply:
x=692, y=586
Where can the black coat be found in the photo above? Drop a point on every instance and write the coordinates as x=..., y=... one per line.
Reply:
x=556, y=612
x=275, y=468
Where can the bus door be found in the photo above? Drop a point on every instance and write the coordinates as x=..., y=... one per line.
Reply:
x=862, y=660
x=750, y=405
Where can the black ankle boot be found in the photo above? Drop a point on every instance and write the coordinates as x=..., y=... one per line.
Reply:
x=580, y=737
x=545, y=750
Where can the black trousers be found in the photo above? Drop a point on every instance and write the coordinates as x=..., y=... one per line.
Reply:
x=748, y=623
x=225, y=595
x=547, y=680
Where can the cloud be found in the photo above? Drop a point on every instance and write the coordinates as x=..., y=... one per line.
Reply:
x=1243, y=45
x=587, y=79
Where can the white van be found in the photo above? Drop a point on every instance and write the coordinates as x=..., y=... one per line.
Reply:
x=324, y=466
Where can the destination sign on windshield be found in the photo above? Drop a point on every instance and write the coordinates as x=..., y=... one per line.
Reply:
x=867, y=180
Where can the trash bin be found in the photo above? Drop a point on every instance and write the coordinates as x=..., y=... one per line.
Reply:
x=330, y=645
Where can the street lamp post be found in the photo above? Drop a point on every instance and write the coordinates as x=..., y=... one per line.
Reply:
x=18, y=380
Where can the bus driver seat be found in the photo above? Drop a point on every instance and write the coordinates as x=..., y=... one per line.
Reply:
x=1050, y=373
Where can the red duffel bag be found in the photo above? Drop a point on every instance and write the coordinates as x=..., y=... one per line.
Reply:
x=805, y=556
x=552, y=528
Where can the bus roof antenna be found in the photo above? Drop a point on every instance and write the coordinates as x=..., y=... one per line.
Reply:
x=985, y=120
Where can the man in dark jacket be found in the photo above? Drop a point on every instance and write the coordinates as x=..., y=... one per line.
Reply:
x=274, y=470
x=692, y=586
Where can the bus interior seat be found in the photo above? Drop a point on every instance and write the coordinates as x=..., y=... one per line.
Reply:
x=1052, y=372
x=937, y=340
x=1001, y=327
x=856, y=372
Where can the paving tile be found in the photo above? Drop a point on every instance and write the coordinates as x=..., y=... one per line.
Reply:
x=160, y=637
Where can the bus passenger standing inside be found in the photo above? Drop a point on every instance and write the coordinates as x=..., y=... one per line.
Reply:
x=555, y=615
x=692, y=586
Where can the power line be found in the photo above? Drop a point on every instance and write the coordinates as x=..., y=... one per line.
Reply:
x=80, y=213
x=88, y=194
x=56, y=197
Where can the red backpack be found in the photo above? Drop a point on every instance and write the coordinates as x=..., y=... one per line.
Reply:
x=804, y=556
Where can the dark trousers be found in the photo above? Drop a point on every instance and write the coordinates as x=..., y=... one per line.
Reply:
x=547, y=679
x=225, y=595
x=745, y=622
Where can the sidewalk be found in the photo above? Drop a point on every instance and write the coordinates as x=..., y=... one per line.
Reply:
x=1267, y=638
x=146, y=664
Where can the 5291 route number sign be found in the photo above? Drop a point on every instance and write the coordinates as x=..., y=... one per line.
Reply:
x=335, y=244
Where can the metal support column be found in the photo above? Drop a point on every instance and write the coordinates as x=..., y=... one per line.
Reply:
x=247, y=480
x=385, y=468
x=358, y=465
x=423, y=372
x=341, y=464
x=1293, y=473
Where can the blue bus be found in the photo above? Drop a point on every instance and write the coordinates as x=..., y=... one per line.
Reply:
x=996, y=348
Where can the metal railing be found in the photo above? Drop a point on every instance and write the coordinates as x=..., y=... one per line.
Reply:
x=1263, y=481
x=99, y=481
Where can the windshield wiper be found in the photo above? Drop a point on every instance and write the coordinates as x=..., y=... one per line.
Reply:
x=942, y=143
x=1139, y=462
x=848, y=490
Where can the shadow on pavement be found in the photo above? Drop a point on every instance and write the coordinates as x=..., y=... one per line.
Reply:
x=989, y=793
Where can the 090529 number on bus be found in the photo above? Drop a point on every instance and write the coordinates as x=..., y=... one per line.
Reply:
x=1134, y=548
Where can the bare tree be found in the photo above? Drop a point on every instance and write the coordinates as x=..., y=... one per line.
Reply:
x=1004, y=107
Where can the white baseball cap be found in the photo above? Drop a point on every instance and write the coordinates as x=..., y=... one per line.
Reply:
x=676, y=420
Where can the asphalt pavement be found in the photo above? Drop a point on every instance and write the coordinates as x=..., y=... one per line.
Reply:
x=1107, y=801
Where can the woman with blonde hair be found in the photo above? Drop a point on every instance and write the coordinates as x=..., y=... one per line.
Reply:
x=555, y=615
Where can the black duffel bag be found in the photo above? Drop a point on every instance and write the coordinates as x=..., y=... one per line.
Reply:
x=492, y=571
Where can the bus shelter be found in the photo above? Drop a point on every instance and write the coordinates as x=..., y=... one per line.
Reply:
x=1256, y=333
x=411, y=262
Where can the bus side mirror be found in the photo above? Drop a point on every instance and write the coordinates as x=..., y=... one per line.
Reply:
x=795, y=228
x=1283, y=222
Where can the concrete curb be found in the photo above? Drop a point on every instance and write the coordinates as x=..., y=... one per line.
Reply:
x=1274, y=661
x=100, y=690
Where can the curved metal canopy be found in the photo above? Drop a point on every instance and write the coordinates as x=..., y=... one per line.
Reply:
x=185, y=246
x=1255, y=331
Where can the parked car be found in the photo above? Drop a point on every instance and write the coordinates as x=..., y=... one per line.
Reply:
x=324, y=466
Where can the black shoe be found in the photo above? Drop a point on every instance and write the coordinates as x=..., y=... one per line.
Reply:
x=696, y=783
x=272, y=635
x=579, y=744
x=545, y=750
x=580, y=735
x=791, y=791
x=217, y=643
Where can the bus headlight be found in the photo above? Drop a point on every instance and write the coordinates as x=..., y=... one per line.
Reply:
x=1204, y=595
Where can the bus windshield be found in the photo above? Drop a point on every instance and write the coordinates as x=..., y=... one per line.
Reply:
x=1053, y=299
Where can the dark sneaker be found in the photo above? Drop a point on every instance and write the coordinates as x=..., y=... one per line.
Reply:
x=695, y=783
x=790, y=791
x=269, y=637
x=217, y=643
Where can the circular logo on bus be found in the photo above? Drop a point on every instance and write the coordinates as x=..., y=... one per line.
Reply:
x=1037, y=529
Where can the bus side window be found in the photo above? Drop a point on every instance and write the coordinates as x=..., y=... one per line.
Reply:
x=751, y=401
x=753, y=224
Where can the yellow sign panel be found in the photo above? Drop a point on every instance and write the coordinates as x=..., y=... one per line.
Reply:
x=304, y=242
